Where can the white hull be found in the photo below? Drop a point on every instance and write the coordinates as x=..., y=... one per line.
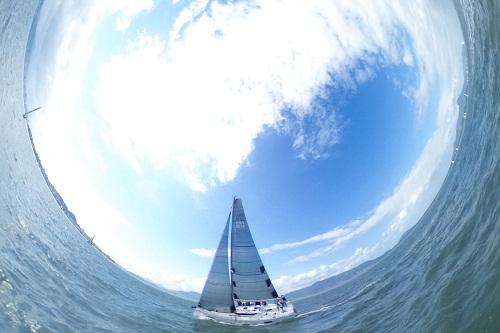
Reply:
x=269, y=316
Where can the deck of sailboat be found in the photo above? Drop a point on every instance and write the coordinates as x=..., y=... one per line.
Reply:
x=268, y=314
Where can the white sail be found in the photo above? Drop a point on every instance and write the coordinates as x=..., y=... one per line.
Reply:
x=217, y=294
x=249, y=278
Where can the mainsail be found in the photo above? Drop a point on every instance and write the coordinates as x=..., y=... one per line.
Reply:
x=216, y=295
x=248, y=275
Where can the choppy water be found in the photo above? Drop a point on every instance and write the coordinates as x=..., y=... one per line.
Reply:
x=444, y=275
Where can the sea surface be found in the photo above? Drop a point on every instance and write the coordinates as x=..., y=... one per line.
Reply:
x=443, y=275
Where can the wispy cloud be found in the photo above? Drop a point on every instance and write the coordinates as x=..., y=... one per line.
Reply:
x=167, y=278
x=316, y=143
x=332, y=235
x=202, y=252
x=126, y=10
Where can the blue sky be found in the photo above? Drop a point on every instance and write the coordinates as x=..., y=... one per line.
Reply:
x=157, y=113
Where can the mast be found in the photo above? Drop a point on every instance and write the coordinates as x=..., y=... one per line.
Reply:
x=249, y=278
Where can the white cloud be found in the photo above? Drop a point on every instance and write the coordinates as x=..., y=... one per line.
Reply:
x=126, y=10
x=195, y=104
x=202, y=252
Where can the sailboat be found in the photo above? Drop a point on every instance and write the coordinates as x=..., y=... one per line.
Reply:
x=238, y=289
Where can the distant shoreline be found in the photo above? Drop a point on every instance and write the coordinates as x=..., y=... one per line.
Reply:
x=69, y=214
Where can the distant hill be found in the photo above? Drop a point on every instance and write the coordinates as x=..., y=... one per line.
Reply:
x=327, y=284
x=187, y=295
x=69, y=214
x=52, y=189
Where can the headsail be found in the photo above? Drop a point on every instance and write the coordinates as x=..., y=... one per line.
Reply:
x=249, y=277
x=216, y=295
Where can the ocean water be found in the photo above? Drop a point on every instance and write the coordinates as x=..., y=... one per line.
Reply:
x=444, y=274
